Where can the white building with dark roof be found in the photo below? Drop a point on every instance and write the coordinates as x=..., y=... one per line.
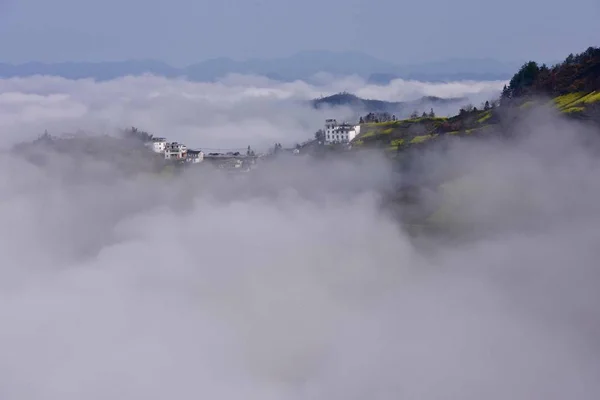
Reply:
x=175, y=150
x=340, y=132
x=159, y=145
x=194, y=156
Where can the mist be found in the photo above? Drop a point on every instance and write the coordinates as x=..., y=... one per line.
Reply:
x=293, y=282
x=233, y=113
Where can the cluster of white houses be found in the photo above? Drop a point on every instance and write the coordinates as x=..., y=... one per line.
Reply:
x=340, y=132
x=176, y=151
x=335, y=133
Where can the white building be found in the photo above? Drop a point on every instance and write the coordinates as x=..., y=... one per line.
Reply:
x=330, y=129
x=175, y=150
x=159, y=145
x=194, y=156
x=340, y=133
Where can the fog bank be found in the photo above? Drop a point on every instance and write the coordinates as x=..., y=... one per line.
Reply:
x=294, y=283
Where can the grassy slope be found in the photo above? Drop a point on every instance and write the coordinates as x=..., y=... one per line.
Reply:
x=396, y=135
x=404, y=133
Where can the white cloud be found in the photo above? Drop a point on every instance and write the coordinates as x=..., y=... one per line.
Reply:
x=235, y=112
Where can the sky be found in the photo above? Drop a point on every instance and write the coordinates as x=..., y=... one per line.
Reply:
x=186, y=31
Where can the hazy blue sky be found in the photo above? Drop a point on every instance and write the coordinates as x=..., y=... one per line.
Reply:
x=185, y=31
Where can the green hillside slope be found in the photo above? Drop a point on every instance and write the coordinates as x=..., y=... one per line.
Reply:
x=572, y=88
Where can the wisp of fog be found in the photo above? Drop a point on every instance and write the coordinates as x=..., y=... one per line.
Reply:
x=293, y=282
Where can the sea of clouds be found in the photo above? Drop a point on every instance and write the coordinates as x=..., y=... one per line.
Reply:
x=233, y=113
x=291, y=283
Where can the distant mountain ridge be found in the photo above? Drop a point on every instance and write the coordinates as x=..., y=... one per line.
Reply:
x=380, y=106
x=300, y=66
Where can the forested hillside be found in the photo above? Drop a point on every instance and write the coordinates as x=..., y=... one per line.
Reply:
x=577, y=73
x=571, y=87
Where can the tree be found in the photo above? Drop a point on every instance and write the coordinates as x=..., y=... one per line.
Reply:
x=466, y=109
x=414, y=115
x=506, y=93
x=361, y=120
x=424, y=115
x=486, y=106
x=135, y=133
x=320, y=135
x=570, y=59
x=523, y=80
x=431, y=114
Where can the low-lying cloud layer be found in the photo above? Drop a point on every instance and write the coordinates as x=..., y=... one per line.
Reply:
x=291, y=282
x=233, y=113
